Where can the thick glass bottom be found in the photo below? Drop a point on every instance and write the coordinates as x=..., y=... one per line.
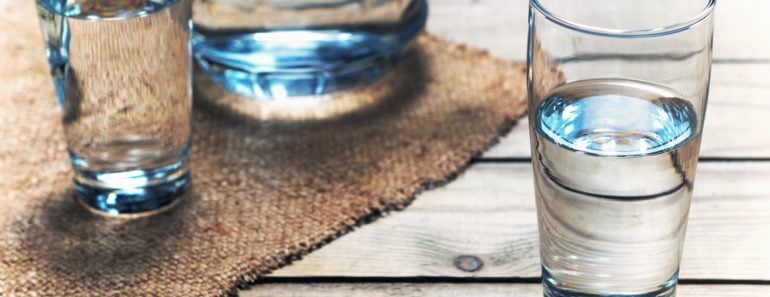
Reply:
x=554, y=288
x=132, y=201
x=280, y=64
x=134, y=192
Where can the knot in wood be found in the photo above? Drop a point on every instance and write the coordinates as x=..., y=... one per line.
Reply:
x=468, y=263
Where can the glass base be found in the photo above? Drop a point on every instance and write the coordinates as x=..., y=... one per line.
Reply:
x=136, y=201
x=294, y=63
x=552, y=289
x=134, y=192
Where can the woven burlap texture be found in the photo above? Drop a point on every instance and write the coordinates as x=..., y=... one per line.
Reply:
x=265, y=191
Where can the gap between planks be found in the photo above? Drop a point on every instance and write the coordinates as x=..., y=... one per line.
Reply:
x=478, y=290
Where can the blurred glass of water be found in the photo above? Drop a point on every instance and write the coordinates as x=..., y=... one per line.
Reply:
x=121, y=72
x=274, y=49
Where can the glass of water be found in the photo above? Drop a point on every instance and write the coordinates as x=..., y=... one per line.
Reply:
x=278, y=49
x=122, y=76
x=617, y=98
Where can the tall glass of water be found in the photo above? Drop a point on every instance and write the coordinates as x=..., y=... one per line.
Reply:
x=278, y=49
x=122, y=74
x=617, y=98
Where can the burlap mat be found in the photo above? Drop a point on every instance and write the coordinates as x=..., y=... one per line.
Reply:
x=265, y=192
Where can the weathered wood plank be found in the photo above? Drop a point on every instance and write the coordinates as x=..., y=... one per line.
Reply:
x=736, y=120
x=501, y=26
x=464, y=290
x=497, y=25
x=489, y=213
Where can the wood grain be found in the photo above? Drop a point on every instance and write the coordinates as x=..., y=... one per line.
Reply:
x=737, y=107
x=501, y=27
x=489, y=214
x=463, y=290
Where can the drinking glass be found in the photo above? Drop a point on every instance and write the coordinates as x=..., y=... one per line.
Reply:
x=122, y=76
x=279, y=49
x=617, y=97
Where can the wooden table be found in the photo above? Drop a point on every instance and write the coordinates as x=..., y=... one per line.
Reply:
x=477, y=236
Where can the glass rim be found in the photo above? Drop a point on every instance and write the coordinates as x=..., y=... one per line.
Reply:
x=647, y=32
